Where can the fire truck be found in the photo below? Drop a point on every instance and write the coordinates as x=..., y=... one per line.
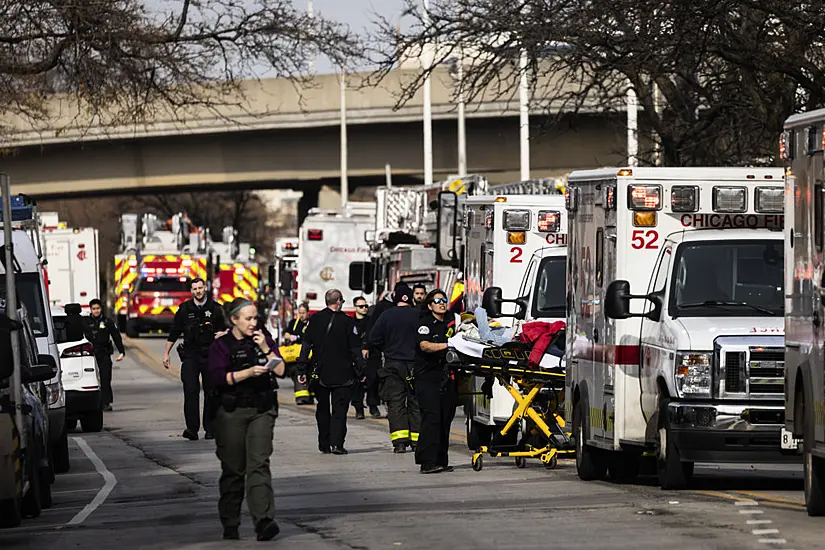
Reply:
x=151, y=276
x=504, y=231
x=801, y=147
x=236, y=275
x=72, y=256
x=694, y=370
x=329, y=241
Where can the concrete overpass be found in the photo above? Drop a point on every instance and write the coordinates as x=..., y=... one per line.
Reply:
x=280, y=134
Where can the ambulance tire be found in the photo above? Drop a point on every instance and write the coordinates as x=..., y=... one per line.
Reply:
x=590, y=461
x=478, y=434
x=814, y=473
x=673, y=473
x=132, y=329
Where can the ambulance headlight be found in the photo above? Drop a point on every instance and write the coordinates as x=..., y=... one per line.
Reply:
x=644, y=197
x=770, y=199
x=516, y=220
x=549, y=221
x=730, y=199
x=684, y=198
x=693, y=373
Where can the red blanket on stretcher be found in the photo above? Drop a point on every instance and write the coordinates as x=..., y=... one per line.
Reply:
x=540, y=334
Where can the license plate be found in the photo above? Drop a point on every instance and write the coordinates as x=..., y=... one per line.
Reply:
x=788, y=441
x=167, y=302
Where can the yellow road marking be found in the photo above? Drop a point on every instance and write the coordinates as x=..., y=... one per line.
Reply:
x=770, y=500
x=773, y=498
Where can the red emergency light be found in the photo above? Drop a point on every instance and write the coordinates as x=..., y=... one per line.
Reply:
x=315, y=234
x=549, y=221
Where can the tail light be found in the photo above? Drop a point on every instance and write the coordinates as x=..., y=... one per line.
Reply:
x=81, y=350
x=315, y=234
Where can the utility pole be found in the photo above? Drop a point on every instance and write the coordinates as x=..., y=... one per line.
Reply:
x=524, y=116
x=428, y=107
x=344, y=151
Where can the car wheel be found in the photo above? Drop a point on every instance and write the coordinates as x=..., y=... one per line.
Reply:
x=92, y=422
x=11, y=513
x=61, y=455
x=31, y=500
x=71, y=424
x=132, y=329
x=45, y=488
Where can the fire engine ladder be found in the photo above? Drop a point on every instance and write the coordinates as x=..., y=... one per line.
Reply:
x=545, y=186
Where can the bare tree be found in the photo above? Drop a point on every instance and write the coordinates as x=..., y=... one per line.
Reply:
x=715, y=79
x=123, y=61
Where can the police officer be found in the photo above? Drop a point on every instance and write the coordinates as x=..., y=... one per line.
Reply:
x=395, y=335
x=241, y=367
x=370, y=387
x=101, y=331
x=434, y=386
x=337, y=365
x=294, y=334
x=200, y=321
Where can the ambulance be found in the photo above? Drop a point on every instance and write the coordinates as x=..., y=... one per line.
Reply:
x=72, y=261
x=801, y=147
x=329, y=241
x=502, y=236
x=675, y=330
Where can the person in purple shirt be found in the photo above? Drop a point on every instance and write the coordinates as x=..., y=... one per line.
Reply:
x=241, y=368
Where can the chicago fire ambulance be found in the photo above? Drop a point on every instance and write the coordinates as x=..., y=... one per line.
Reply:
x=72, y=259
x=802, y=147
x=503, y=234
x=675, y=327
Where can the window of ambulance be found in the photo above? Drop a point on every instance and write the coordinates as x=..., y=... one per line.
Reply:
x=29, y=293
x=551, y=289
x=728, y=279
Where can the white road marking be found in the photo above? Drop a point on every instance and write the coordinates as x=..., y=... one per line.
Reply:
x=758, y=521
x=746, y=503
x=765, y=531
x=108, y=478
x=751, y=512
x=773, y=541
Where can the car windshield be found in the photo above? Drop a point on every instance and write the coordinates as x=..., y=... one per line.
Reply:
x=29, y=293
x=550, y=288
x=162, y=284
x=728, y=279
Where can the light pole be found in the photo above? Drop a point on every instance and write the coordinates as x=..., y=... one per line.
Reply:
x=344, y=179
x=428, y=108
x=632, y=128
x=311, y=14
x=524, y=116
x=457, y=72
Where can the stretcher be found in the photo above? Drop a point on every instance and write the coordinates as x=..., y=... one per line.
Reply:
x=538, y=391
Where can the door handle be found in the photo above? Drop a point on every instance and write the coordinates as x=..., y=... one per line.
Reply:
x=596, y=335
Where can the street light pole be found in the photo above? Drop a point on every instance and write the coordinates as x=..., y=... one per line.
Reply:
x=632, y=128
x=462, y=129
x=344, y=151
x=311, y=14
x=428, y=109
x=524, y=116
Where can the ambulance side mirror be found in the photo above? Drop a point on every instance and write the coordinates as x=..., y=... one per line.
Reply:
x=491, y=303
x=271, y=275
x=362, y=277
x=617, y=302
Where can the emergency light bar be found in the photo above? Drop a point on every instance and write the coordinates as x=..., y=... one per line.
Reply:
x=516, y=220
x=730, y=199
x=549, y=221
x=571, y=196
x=22, y=209
x=770, y=199
x=315, y=234
x=644, y=197
x=684, y=198
x=610, y=197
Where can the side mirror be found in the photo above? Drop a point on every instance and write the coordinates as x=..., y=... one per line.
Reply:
x=491, y=302
x=271, y=275
x=72, y=309
x=286, y=283
x=47, y=360
x=362, y=277
x=617, y=302
x=39, y=373
x=447, y=229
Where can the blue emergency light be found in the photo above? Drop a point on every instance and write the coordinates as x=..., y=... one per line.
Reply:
x=22, y=208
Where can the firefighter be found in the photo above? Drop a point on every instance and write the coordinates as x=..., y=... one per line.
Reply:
x=101, y=332
x=241, y=366
x=434, y=385
x=419, y=293
x=370, y=388
x=395, y=335
x=199, y=321
x=293, y=335
x=337, y=365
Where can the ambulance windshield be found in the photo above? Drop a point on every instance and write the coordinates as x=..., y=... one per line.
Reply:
x=728, y=279
x=550, y=289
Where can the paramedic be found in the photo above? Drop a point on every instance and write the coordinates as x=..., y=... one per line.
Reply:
x=240, y=367
x=419, y=293
x=370, y=388
x=434, y=386
x=337, y=364
x=200, y=321
x=293, y=335
x=395, y=335
x=101, y=331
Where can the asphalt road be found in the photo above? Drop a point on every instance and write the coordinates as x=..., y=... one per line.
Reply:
x=139, y=484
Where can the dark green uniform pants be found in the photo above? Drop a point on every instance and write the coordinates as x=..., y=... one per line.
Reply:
x=244, y=444
x=402, y=406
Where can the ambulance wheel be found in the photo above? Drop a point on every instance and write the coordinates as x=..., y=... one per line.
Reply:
x=590, y=463
x=132, y=329
x=478, y=463
x=673, y=473
x=521, y=462
x=814, y=473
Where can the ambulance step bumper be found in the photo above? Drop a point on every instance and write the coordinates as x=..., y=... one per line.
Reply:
x=705, y=432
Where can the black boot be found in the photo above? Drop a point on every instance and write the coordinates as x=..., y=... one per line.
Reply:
x=374, y=412
x=267, y=529
x=231, y=533
x=359, y=414
x=399, y=448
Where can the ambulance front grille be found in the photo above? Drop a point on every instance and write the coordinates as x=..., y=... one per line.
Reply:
x=758, y=372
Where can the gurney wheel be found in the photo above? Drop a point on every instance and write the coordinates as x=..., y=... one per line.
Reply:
x=553, y=463
x=521, y=462
x=478, y=463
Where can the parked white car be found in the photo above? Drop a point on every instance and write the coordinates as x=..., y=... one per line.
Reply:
x=81, y=376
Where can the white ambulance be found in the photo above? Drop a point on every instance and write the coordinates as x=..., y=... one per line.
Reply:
x=72, y=261
x=330, y=240
x=695, y=371
x=802, y=149
x=503, y=234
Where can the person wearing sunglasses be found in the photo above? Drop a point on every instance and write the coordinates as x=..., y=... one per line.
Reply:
x=434, y=385
x=370, y=388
